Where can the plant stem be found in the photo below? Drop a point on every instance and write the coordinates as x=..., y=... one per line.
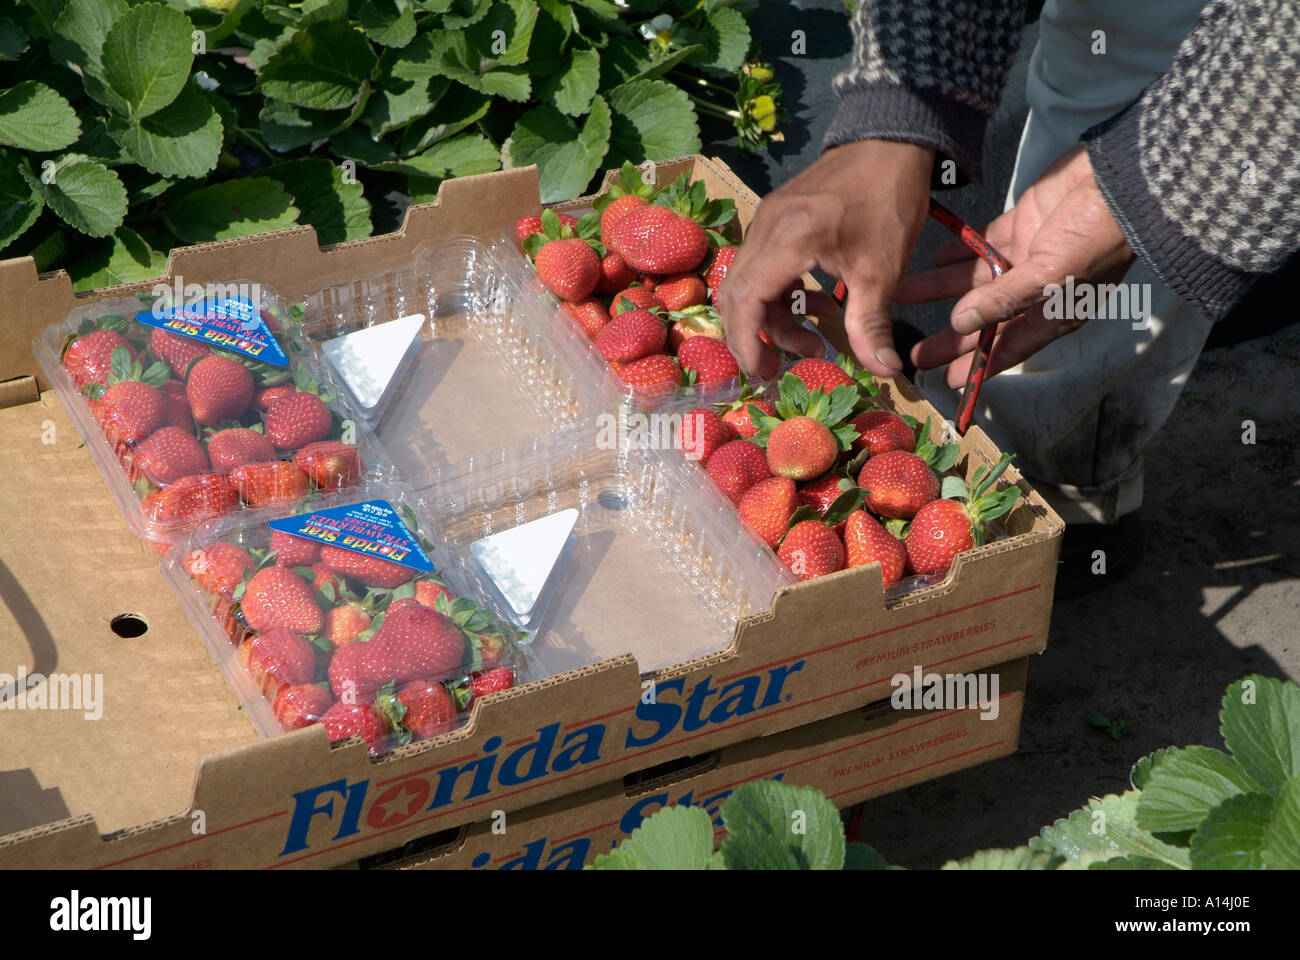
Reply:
x=706, y=107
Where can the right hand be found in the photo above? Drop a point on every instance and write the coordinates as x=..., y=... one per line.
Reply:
x=855, y=213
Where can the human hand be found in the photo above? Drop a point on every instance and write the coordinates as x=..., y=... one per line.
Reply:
x=855, y=213
x=1061, y=227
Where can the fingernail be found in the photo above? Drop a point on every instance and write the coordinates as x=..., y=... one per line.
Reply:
x=889, y=358
x=968, y=321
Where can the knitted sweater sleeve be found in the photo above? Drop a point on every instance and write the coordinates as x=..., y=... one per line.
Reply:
x=928, y=72
x=1202, y=172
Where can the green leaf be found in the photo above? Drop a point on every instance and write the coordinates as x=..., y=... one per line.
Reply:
x=953, y=488
x=236, y=208
x=322, y=11
x=146, y=58
x=390, y=23
x=181, y=140
x=123, y=258
x=80, y=31
x=460, y=107
x=550, y=36
x=1141, y=773
x=1103, y=829
x=1019, y=858
x=287, y=127
x=397, y=102
x=571, y=89
x=34, y=117
x=861, y=856
x=460, y=13
x=672, y=838
x=775, y=826
x=616, y=859
x=652, y=120
x=1187, y=785
x=726, y=40
x=339, y=211
x=20, y=205
x=502, y=37
x=449, y=54
x=460, y=157
x=1281, y=850
x=322, y=68
x=355, y=143
x=13, y=39
x=83, y=192
x=1260, y=722
x=566, y=158
x=1231, y=837
x=1130, y=863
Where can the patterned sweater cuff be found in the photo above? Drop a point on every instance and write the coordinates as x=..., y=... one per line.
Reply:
x=1207, y=283
x=888, y=111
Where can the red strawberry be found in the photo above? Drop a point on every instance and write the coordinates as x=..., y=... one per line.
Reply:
x=176, y=409
x=218, y=389
x=493, y=681
x=738, y=415
x=345, y=720
x=654, y=373
x=822, y=375
x=615, y=212
x=176, y=351
x=811, y=549
x=590, y=315
x=737, y=466
x=427, y=593
x=331, y=464
x=129, y=411
x=349, y=678
x=291, y=551
x=801, y=448
x=191, y=499
x=370, y=570
x=267, y=394
x=631, y=336
x=898, y=484
x=526, y=226
x=568, y=268
x=278, y=658
x=170, y=453
x=615, y=274
x=297, y=419
x=301, y=706
x=657, y=240
x=236, y=446
x=276, y=597
x=89, y=358
x=428, y=708
x=682, y=290
x=822, y=492
x=718, y=267
x=274, y=481
x=703, y=432
x=219, y=567
x=768, y=506
x=695, y=322
x=344, y=622
x=710, y=360
x=944, y=528
x=880, y=431
x=325, y=575
x=866, y=541
x=641, y=298
x=415, y=643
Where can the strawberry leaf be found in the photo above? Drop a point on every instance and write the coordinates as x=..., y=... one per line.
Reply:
x=999, y=468
x=844, y=435
x=323, y=644
x=551, y=222
x=840, y=404
x=158, y=373
x=898, y=528
x=93, y=391
x=305, y=572
x=953, y=488
x=805, y=512
x=945, y=457
x=404, y=591
x=588, y=225
x=844, y=504
x=993, y=505
x=119, y=367
x=327, y=591
x=857, y=463
x=533, y=243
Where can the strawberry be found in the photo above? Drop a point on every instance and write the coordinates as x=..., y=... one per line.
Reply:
x=880, y=431
x=176, y=351
x=267, y=394
x=619, y=208
x=348, y=676
x=370, y=570
x=658, y=240
x=634, y=298
x=944, y=528
x=738, y=415
x=219, y=567
x=218, y=389
x=807, y=435
x=331, y=464
x=568, y=268
x=527, y=226
x=89, y=358
x=273, y=481
x=301, y=706
x=427, y=708
x=822, y=375
x=236, y=446
x=129, y=411
x=682, y=290
x=344, y=622
x=493, y=681
x=362, y=720
x=709, y=360
x=898, y=484
x=651, y=374
x=291, y=551
x=297, y=419
x=698, y=321
x=811, y=549
x=631, y=336
x=703, y=432
x=866, y=541
x=824, y=491
x=718, y=267
x=427, y=593
x=615, y=274
x=801, y=448
x=768, y=506
x=278, y=658
x=415, y=643
x=176, y=409
x=168, y=454
x=590, y=315
x=736, y=466
x=191, y=499
x=276, y=597
x=323, y=576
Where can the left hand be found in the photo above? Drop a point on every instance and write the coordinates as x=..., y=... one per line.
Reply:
x=1060, y=227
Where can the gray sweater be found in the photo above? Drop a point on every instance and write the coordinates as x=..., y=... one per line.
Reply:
x=1202, y=172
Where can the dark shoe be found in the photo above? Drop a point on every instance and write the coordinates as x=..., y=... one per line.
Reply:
x=1095, y=555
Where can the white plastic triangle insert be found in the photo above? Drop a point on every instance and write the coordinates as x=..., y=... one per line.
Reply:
x=370, y=360
x=522, y=565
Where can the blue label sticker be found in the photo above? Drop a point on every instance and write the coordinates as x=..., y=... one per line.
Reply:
x=231, y=323
x=372, y=528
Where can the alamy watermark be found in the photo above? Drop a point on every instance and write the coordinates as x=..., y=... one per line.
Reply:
x=180, y=295
x=949, y=691
x=631, y=429
x=55, y=691
x=1098, y=301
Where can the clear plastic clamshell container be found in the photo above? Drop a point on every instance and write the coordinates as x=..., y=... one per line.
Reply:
x=197, y=403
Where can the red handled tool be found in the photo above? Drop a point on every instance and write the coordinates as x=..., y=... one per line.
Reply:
x=984, y=351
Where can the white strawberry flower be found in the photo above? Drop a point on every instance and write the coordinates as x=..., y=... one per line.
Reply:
x=659, y=29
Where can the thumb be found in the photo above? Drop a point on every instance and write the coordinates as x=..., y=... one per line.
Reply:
x=870, y=328
x=1005, y=297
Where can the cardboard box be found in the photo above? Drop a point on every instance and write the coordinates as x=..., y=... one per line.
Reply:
x=857, y=755
x=171, y=775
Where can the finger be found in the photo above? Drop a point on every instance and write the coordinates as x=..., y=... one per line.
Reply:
x=1014, y=292
x=788, y=332
x=946, y=346
x=943, y=283
x=869, y=327
x=752, y=284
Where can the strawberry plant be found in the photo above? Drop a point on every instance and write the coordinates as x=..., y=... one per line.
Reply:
x=128, y=128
